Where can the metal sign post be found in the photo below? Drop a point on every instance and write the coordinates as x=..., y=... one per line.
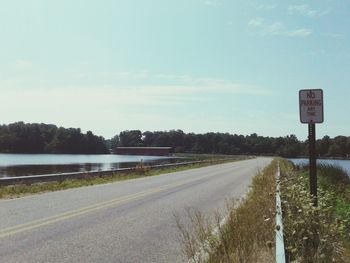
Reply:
x=312, y=163
x=311, y=112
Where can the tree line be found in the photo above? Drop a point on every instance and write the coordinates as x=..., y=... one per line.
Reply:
x=22, y=137
x=225, y=143
x=47, y=138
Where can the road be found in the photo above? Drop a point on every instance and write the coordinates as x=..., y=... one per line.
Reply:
x=128, y=221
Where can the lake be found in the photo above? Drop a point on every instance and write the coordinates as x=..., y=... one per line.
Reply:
x=33, y=164
x=345, y=164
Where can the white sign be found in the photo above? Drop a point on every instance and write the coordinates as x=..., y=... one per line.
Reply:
x=311, y=105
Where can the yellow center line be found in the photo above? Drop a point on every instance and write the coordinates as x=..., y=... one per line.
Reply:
x=81, y=211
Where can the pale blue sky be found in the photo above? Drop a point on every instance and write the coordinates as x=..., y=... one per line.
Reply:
x=196, y=65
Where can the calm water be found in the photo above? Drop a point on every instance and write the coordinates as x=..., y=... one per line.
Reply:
x=345, y=164
x=31, y=164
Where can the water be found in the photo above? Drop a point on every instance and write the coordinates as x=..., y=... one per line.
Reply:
x=345, y=164
x=32, y=164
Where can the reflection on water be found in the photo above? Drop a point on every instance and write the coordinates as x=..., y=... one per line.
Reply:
x=345, y=164
x=33, y=164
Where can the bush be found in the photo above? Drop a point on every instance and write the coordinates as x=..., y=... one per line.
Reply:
x=313, y=234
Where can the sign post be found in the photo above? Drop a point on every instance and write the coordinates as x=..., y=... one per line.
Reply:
x=311, y=112
x=312, y=163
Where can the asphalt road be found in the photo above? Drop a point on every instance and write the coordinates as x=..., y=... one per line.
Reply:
x=129, y=221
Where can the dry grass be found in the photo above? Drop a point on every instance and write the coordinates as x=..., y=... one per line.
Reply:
x=246, y=236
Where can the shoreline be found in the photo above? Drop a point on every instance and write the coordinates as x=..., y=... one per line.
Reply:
x=321, y=158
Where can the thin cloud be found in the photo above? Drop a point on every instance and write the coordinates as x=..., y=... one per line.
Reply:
x=303, y=32
x=22, y=64
x=331, y=35
x=135, y=82
x=277, y=29
x=212, y=2
x=305, y=10
x=123, y=104
x=264, y=7
x=157, y=89
x=316, y=52
x=168, y=83
x=81, y=99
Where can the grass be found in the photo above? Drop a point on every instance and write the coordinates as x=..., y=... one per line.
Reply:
x=316, y=234
x=246, y=236
x=312, y=234
x=141, y=171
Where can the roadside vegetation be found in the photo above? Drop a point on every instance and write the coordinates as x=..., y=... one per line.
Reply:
x=246, y=234
x=141, y=170
x=312, y=234
x=316, y=234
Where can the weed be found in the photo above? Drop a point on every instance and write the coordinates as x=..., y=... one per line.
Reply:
x=314, y=234
x=248, y=233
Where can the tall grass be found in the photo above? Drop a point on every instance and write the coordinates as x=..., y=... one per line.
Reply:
x=248, y=232
x=312, y=234
x=315, y=234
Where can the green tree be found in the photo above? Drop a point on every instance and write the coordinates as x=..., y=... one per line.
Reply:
x=131, y=138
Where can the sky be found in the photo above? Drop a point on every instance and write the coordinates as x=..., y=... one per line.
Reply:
x=201, y=66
